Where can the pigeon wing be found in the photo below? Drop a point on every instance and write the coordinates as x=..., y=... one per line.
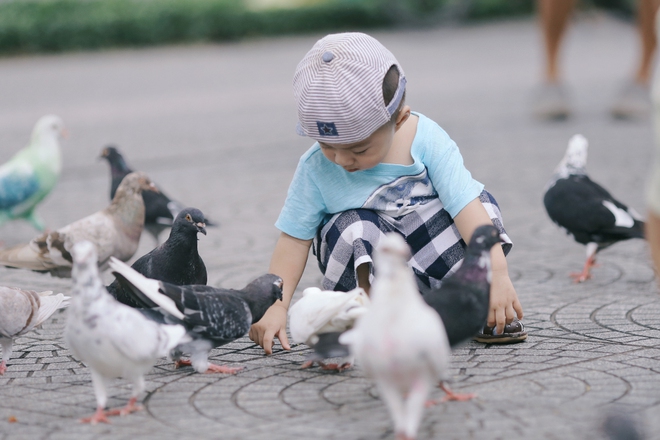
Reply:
x=49, y=304
x=18, y=182
x=16, y=311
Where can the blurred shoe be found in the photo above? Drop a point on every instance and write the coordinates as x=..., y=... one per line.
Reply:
x=633, y=102
x=551, y=102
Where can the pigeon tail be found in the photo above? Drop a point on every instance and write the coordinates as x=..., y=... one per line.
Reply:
x=143, y=285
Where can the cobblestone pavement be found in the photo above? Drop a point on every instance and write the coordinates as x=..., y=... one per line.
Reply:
x=214, y=125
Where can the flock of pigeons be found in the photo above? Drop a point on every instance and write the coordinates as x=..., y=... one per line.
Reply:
x=161, y=306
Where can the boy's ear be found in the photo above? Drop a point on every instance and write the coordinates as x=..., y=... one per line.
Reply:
x=402, y=117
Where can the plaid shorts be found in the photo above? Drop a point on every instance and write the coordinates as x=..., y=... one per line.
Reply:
x=348, y=239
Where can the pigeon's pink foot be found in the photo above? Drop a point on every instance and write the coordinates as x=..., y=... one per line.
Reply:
x=430, y=403
x=455, y=396
x=182, y=363
x=3, y=368
x=402, y=436
x=306, y=364
x=222, y=369
x=98, y=417
x=586, y=271
x=335, y=367
x=130, y=407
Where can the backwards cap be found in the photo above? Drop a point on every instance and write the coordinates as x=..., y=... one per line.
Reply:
x=339, y=88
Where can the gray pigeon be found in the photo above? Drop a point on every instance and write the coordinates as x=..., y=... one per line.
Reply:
x=213, y=316
x=400, y=341
x=160, y=210
x=112, y=339
x=176, y=261
x=463, y=299
x=114, y=231
x=21, y=311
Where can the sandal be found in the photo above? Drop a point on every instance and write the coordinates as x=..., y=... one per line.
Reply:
x=514, y=332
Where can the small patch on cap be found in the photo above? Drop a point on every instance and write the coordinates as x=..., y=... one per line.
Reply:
x=327, y=128
x=328, y=56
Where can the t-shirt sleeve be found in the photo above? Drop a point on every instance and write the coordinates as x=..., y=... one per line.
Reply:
x=453, y=182
x=303, y=208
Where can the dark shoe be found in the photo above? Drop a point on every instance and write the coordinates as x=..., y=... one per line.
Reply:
x=514, y=332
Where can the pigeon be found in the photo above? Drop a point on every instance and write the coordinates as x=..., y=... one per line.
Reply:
x=21, y=311
x=586, y=210
x=176, y=261
x=112, y=339
x=213, y=316
x=320, y=317
x=114, y=231
x=463, y=298
x=31, y=174
x=160, y=209
x=400, y=342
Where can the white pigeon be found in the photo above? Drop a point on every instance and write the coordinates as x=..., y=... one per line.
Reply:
x=112, y=339
x=114, y=231
x=322, y=312
x=400, y=342
x=21, y=311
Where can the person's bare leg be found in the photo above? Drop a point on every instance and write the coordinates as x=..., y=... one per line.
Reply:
x=363, y=277
x=646, y=11
x=652, y=232
x=554, y=16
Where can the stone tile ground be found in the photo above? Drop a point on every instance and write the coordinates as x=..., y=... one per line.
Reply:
x=214, y=126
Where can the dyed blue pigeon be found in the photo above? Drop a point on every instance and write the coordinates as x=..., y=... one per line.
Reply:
x=31, y=174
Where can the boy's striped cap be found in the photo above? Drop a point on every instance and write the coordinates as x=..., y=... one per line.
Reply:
x=338, y=86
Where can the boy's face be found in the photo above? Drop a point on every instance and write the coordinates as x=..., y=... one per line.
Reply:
x=364, y=154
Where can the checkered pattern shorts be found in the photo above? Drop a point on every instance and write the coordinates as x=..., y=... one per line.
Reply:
x=348, y=239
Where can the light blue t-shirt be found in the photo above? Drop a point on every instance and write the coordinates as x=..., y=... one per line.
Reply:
x=320, y=187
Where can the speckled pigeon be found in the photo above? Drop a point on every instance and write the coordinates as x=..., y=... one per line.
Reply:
x=112, y=339
x=400, y=342
x=320, y=316
x=160, y=209
x=30, y=175
x=114, y=231
x=212, y=315
x=586, y=210
x=21, y=311
x=176, y=261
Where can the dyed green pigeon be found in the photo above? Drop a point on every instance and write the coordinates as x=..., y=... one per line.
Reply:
x=32, y=173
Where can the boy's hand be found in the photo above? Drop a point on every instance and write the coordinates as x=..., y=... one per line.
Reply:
x=272, y=324
x=504, y=304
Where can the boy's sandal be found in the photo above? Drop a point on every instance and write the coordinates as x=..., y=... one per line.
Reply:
x=514, y=332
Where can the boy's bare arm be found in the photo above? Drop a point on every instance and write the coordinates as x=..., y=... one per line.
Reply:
x=288, y=261
x=504, y=304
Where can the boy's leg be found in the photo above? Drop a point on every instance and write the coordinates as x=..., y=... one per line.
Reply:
x=344, y=246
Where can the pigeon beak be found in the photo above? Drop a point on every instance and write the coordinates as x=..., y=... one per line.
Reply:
x=153, y=187
x=201, y=227
x=64, y=133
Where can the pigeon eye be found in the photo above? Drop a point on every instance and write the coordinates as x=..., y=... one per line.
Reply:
x=189, y=218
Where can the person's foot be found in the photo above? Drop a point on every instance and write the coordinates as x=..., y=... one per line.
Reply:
x=551, y=102
x=514, y=332
x=633, y=102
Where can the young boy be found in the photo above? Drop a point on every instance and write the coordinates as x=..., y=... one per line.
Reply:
x=376, y=168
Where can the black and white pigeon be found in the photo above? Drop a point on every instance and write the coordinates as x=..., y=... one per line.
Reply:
x=114, y=231
x=213, y=316
x=586, y=210
x=112, y=339
x=177, y=261
x=463, y=299
x=400, y=341
x=160, y=210
x=21, y=311
x=320, y=317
